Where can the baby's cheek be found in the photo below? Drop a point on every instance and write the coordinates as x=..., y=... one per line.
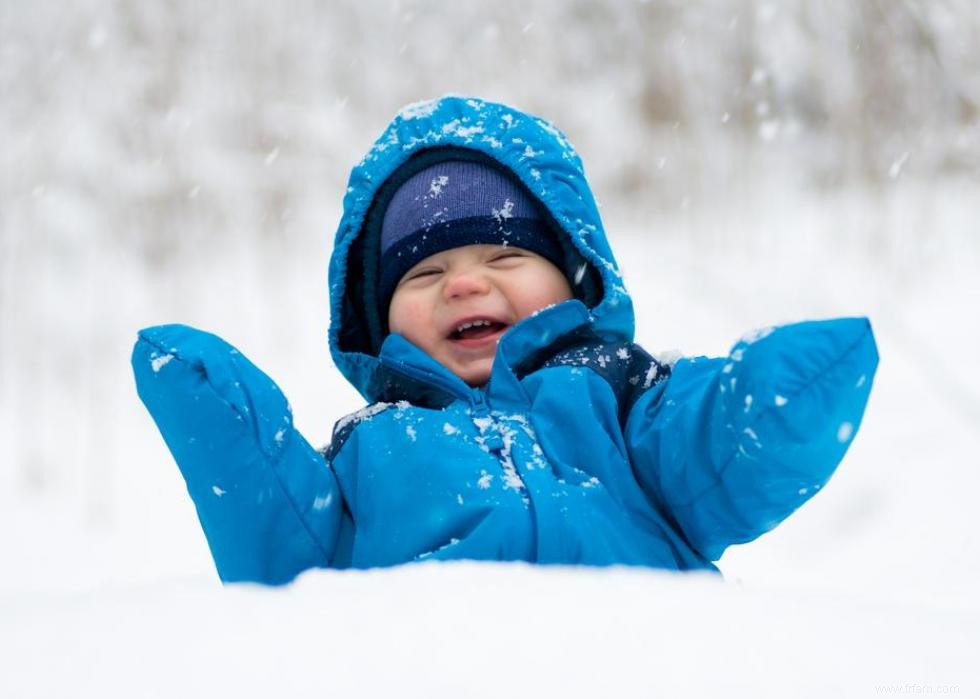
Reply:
x=404, y=313
x=412, y=318
x=542, y=286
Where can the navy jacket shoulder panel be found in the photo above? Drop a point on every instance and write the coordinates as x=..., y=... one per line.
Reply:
x=629, y=370
x=345, y=426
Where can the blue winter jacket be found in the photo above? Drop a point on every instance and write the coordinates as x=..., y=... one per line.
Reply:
x=582, y=448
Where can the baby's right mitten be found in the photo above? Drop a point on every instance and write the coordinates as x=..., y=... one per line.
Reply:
x=267, y=500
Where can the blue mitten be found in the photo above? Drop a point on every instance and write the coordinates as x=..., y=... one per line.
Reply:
x=268, y=502
x=730, y=447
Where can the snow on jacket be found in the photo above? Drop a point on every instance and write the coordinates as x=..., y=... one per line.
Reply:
x=581, y=448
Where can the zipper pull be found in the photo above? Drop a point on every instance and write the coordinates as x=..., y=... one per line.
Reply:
x=489, y=438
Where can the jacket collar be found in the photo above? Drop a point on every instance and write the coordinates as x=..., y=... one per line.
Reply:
x=404, y=371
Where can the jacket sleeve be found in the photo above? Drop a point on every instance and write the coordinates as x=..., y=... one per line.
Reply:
x=268, y=502
x=730, y=447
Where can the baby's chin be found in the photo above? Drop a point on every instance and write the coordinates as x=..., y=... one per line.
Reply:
x=475, y=374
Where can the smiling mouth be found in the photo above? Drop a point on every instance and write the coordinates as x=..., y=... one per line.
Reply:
x=477, y=330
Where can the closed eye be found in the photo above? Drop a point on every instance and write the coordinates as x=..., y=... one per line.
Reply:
x=421, y=273
x=507, y=254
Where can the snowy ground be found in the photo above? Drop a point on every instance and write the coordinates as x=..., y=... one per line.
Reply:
x=482, y=630
x=867, y=590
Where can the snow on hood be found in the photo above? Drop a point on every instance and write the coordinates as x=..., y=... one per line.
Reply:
x=531, y=148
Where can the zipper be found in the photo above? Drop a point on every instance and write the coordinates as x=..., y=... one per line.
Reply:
x=483, y=419
x=490, y=437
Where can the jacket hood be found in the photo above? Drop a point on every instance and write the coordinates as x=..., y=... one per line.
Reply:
x=532, y=149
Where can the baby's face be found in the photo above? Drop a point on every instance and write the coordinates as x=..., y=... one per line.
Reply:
x=456, y=304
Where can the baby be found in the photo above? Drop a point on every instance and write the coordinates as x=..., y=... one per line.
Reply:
x=477, y=307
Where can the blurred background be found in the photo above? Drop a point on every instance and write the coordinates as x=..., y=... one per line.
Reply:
x=756, y=163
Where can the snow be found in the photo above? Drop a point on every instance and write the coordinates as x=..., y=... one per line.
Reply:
x=158, y=363
x=437, y=185
x=652, y=372
x=167, y=172
x=322, y=502
x=365, y=413
x=419, y=110
x=896, y=167
x=503, y=213
x=479, y=630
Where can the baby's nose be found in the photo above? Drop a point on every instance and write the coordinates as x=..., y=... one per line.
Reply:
x=466, y=282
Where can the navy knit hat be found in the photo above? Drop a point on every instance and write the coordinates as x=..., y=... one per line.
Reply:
x=454, y=203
